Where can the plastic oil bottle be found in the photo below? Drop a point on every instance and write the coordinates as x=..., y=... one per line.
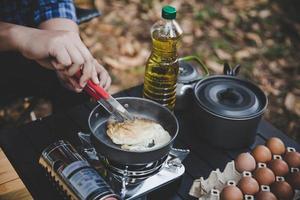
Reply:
x=162, y=66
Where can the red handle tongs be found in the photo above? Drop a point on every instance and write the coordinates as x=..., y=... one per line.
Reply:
x=109, y=103
x=93, y=89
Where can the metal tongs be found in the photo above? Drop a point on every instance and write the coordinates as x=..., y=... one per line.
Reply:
x=106, y=100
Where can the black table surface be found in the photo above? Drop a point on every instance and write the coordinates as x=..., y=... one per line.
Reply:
x=24, y=145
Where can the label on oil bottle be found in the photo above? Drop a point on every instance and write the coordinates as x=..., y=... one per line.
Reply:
x=85, y=180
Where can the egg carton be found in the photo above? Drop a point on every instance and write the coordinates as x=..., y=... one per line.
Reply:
x=297, y=192
x=210, y=188
x=216, y=181
x=215, y=194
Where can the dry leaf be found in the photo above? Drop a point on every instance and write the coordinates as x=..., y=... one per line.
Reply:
x=96, y=47
x=214, y=66
x=127, y=49
x=2, y=113
x=125, y=62
x=187, y=25
x=289, y=101
x=213, y=33
x=198, y=33
x=264, y=14
x=114, y=89
x=244, y=4
x=292, y=103
x=112, y=62
x=269, y=42
x=223, y=54
x=188, y=40
x=218, y=23
x=253, y=13
x=228, y=14
x=255, y=26
x=139, y=59
x=255, y=37
x=241, y=54
x=90, y=41
x=245, y=53
x=282, y=62
x=273, y=65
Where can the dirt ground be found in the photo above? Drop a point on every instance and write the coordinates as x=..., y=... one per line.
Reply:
x=261, y=35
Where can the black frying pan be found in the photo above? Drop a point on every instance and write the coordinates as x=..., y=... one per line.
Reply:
x=139, y=107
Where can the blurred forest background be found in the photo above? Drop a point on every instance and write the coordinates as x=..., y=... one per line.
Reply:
x=261, y=35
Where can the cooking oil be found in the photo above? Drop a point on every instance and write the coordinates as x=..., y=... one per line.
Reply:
x=162, y=66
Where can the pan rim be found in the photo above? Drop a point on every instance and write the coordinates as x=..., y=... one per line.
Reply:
x=136, y=152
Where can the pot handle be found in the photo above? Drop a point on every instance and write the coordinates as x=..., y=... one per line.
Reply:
x=203, y=67
x=227, y=70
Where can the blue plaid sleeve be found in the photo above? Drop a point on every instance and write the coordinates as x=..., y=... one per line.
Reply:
x=49, y=9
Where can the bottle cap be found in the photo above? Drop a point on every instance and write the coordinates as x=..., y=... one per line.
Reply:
x=168, y=12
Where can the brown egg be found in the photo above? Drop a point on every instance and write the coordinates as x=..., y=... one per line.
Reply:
x=231, y=192
x=244, y=162
x=279, y=167
x=294, y=180
x=248, y=185
x=276, y=146
x=264, y=176
x=264, y=195
x=262, y=154
x=282, y=190
x=292, y=158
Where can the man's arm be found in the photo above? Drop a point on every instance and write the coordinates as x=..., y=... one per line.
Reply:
x=60, y=15
x=56, y=44
x=55, y=49
x=48, y=15
x=59, y=24
x=9, y=36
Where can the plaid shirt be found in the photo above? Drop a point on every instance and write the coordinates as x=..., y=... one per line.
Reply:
x=34, y=12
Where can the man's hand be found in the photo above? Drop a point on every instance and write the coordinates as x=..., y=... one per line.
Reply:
x=60, y=50
x=72, y=84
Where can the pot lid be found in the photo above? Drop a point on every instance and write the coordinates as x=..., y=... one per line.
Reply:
x=230, y=97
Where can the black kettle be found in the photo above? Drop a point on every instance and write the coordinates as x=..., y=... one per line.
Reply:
x=191, y=70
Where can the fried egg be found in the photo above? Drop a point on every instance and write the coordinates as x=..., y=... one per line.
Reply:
x=138, y=135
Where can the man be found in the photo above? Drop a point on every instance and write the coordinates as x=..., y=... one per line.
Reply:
x=40, y=47
x=37, y=36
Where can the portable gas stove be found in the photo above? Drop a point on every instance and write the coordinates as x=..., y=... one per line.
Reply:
x=128, y=182
x=130, y=186
x=135, y=182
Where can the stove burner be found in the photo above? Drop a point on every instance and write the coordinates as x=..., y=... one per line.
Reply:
x=135, y=170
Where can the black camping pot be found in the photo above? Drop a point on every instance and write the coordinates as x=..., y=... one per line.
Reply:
x=227, y=110
x=141, y=108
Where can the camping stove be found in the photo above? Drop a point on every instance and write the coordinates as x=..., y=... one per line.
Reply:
x=135, y=181
x=130, y=186
x=86, y=175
